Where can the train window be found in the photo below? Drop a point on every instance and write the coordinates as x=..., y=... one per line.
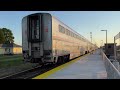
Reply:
x=61, y=29
x=77, y=36
x=73, y=35
x=80, y=38
x=83, y=39
x=109, y=46
x=70, y=33
x=67, y=31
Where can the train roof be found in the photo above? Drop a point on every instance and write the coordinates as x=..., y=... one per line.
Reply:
x=63, y=24
x=71, y=29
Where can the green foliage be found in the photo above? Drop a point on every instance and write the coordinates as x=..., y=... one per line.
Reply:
x=8, y=35
x=2, y=38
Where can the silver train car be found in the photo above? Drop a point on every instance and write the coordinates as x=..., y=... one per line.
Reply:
x=45, y=39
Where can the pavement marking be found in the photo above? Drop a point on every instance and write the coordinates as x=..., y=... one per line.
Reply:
x=48, y=73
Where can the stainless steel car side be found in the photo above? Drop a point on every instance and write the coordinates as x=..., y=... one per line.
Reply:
x=45, y=39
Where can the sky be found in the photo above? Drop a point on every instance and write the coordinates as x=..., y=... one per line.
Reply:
x=83, y=22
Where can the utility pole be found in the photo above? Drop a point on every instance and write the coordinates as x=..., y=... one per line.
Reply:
x=91, y=36
x=106, y=35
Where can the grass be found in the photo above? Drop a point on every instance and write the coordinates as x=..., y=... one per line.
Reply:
x=13, y=64
x=9, y=61
x=2, y=57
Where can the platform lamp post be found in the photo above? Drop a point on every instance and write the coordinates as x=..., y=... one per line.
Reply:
x=91, y=36
x=114, y=49
x=115, y=38
x=106, y=38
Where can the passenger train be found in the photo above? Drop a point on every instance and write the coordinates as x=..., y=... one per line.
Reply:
x=45, y=39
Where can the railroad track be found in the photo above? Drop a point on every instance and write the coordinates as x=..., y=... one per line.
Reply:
x=30, y=73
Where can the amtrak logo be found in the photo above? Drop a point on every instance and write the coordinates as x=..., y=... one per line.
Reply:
x=46, y=30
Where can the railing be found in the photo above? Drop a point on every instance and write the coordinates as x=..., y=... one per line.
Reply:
x=112, y=71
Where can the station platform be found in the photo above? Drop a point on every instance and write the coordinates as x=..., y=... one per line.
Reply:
x=90, y=66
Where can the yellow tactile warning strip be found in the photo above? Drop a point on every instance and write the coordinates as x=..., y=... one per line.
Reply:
x=48, y=73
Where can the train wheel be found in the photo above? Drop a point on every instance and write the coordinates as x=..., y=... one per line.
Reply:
x=63, y=59
x=68, y=56
x=59, y=61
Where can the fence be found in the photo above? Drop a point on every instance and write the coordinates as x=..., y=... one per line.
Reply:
x=112, y=71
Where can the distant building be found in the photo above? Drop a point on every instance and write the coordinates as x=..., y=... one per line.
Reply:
x=109, y=49
x=10, y=49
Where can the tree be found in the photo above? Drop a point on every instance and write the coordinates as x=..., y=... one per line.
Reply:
x=2, y=38
x=8, y=35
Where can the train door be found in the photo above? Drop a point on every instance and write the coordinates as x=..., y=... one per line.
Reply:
x=35, y=36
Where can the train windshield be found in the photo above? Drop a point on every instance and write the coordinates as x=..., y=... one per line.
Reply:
x=34, y=28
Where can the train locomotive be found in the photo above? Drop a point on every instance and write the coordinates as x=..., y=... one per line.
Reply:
x=45, y=39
